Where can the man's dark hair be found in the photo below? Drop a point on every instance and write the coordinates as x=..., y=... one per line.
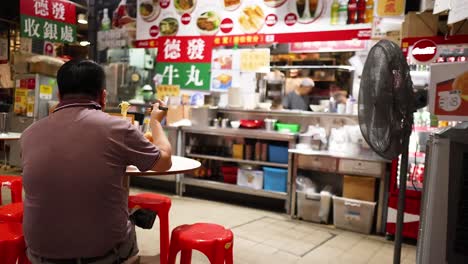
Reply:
x=81, y=78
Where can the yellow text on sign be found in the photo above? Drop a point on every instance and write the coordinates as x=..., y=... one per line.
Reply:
x=255, y=60
x=167, y=90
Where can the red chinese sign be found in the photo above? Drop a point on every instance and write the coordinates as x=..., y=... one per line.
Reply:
x=184, y=49
x=361, y=34
x=50, y=20
x=58, y=10
x=184, y=61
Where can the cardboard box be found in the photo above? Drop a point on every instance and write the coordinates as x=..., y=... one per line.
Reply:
x=359, y=188
x=394, y=36
x=45, y=65
x=459, y=28
x=20, y=63
x=177, y=113
x=420, y=25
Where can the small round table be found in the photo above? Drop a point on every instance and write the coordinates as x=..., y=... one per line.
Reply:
x=179, y=165
x=8, y=137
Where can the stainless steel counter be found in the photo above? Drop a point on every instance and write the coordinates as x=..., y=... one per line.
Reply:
x=291, y=113
x=240, y=132
x=365, y=156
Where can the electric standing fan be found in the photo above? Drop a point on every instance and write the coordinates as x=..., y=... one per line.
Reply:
x=386, y=106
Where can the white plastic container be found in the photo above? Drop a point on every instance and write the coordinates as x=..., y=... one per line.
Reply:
x=250, y=178
x=308, y=207
x=313, y=207
x=353, y=215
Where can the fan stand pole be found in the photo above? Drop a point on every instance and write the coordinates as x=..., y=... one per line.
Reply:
x=401, y=201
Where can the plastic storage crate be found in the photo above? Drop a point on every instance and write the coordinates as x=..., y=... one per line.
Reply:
x=277, y=153
x=250, y=178
x=291, y=128
x=275, y=179
x=354, y=215
x=308, y=207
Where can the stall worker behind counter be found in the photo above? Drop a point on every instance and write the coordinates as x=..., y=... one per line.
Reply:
x=299, y=98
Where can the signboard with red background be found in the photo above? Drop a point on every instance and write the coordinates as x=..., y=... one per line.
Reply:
x=51, y=20
x=448, y=93
x=425, y=49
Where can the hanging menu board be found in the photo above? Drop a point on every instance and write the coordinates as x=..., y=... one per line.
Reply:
x=51, y=20
x=231, y=22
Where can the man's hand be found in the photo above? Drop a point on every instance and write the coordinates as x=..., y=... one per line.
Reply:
x=157, y=114
x=159, y=138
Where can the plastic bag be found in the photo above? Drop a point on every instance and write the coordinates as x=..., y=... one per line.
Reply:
x=325, y=203
x=305, y=184
x=338, y=140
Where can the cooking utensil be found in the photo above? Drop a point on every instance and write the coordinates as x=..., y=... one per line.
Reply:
x=224, y=122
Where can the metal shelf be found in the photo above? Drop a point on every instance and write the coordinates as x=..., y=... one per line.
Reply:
x=250, y=162
x=286, y=113
x=233, y=188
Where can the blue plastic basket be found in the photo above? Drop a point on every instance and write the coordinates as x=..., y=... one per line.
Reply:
x=277, y=153
x=275, y=179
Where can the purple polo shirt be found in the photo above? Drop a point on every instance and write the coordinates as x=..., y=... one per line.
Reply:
x=74, y=164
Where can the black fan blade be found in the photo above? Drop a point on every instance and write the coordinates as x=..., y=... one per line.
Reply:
x=386, y=101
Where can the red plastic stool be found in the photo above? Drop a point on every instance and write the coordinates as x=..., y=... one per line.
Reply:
x=213, y=240
x=160, y=204
x=11, y=213
x=15, y=183
x=12, y=245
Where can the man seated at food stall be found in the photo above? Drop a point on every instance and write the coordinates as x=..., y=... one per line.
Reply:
x=299, y=98
x=74, y=162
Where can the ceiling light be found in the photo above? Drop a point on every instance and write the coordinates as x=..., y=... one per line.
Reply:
x=82, y=19
x=84, y=43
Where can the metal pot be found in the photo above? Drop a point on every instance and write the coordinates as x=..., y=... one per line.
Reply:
x=270, y=124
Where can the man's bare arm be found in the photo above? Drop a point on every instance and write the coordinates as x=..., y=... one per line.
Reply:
x=159, y=138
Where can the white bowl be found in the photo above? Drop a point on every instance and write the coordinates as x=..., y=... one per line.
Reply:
x=317, y=108
x=264, y=106
x=235, y=124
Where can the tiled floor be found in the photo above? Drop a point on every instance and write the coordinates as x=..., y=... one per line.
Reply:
x=270, y=238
